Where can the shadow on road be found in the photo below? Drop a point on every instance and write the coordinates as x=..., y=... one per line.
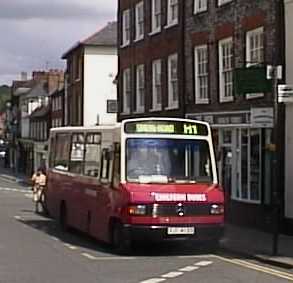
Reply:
x=80, y=240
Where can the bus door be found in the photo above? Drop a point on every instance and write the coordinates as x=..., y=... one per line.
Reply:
x=90, y=181
x=76, y=164
x=104, y=193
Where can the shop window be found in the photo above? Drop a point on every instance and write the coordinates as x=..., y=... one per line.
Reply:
x=62, y=148
x=247, y=158
x=77, y=154
x=92, y=163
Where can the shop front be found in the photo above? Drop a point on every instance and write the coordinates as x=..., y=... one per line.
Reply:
x=243, y=142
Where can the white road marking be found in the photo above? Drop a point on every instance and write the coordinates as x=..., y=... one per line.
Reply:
x=260, y=268
x=195, y=256
x=55, y=238
x=172, y=274
x=71, y=247
x=203, y=263
x=89, y=256
x=17, y=217
x=153, y=280
x=189, y=268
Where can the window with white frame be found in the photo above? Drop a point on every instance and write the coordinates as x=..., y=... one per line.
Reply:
x=173, y=81
x=226, y=69
x=126, y=91
x=254, y=52
x=200, y=6
x=172, y=12
x=157, y=84
x=156, y=15
x=222, y=2
x=139, y=21
x=126, y=27
x=140, y=84
x=201, y=74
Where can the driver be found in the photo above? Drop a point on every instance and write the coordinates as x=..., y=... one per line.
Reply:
x=147, y=161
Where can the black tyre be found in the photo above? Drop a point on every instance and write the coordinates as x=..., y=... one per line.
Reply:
x=63, y=217
x=121, y=243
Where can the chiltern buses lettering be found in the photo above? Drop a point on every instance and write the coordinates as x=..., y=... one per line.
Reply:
x=179, y=197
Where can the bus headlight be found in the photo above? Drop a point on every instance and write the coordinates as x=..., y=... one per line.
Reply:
x=137, y=209
x=217, y=209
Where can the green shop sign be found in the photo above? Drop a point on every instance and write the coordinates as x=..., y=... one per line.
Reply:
x=251, y=80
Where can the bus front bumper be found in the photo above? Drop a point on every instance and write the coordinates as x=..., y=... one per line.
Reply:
x=160, y=233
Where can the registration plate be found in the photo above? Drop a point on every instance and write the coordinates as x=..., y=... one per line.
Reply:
x=180, y=231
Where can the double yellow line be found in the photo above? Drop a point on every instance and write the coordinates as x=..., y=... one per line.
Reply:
x=256, y=267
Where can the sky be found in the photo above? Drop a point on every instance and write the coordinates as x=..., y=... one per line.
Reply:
x=35, y=33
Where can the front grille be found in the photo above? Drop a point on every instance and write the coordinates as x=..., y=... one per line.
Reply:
x=178, y=210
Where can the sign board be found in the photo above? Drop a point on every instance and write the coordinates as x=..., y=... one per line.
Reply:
x=285, y=93
x=262, y=117
x=274, y=71
x=251, y=80
x=112, y=106
x=166, y=127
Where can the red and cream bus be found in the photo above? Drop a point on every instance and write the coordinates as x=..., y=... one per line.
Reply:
x=150, y=178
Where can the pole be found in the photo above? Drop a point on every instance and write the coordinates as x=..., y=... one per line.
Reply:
x=275, y=194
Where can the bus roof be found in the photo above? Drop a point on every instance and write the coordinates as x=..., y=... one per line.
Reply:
x=88, y=128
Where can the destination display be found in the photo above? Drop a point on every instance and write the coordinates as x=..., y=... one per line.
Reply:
x=166, y=127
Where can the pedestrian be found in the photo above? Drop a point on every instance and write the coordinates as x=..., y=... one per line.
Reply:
x=39, y=182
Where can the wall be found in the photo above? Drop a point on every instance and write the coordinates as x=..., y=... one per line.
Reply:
x=100, y=70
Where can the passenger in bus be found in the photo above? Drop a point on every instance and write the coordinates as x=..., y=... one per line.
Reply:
x=39, y=182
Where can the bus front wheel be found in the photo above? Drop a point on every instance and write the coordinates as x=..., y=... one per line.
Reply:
x=121, y=244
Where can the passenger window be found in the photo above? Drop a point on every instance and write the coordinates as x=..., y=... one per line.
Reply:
x=116, y=165
x=62, y=148
x=77, y=154
x=52, y=152
x=92, y=163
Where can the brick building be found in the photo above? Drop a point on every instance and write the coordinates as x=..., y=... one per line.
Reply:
x=150, y=38
x=221, y=37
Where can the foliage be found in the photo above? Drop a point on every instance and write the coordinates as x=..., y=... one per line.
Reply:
x=4, y=96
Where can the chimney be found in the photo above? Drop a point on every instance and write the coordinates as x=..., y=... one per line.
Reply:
x=39, y=75
x=23, y=76
x=55, y=79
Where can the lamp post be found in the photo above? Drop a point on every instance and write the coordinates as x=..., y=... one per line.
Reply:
x=275, y=73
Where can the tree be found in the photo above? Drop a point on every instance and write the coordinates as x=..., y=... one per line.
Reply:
x=5, y=93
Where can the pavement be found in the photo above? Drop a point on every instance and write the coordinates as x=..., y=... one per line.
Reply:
x=258, y=245
x=237, y=239
x=10, y=175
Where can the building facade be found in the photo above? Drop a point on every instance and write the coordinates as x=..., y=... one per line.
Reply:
x=221, y=39
x=91, y=70
x=27, y=96
x=150, y=38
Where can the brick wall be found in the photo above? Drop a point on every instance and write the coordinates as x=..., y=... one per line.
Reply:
x=152, y=47
x=233, y=19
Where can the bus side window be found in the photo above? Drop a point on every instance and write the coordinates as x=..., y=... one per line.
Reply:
x=52, y=151
x=116, y=166
x=92, y=164
x=77, y=154
x=62, y=147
